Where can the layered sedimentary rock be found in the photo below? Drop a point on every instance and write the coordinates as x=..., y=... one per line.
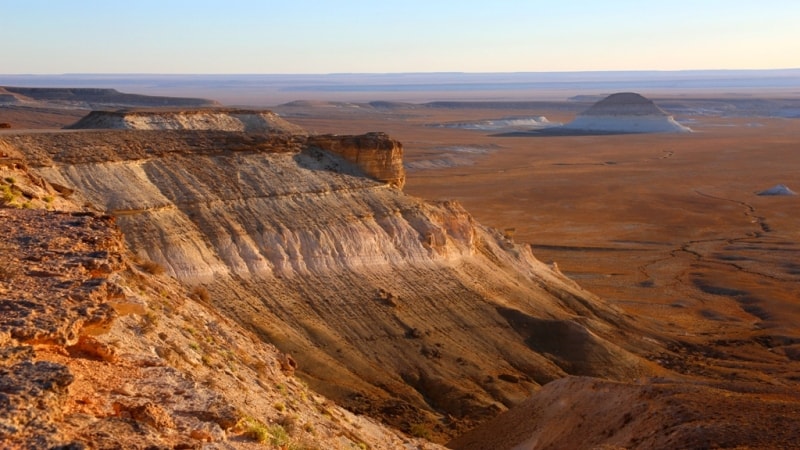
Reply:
x=626, y=112
x=248, y=121
x=393, y=306
x=99, y=351
x=378, y=155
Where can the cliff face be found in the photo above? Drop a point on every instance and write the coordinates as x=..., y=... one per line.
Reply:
x=100, y=350
x=393, y=306
x=375, y=153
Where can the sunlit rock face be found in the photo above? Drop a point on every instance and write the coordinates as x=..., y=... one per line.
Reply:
x=626, y=112
x=378, y=155
x=392, y=305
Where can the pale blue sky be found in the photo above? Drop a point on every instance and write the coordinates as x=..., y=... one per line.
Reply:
x=316, y=36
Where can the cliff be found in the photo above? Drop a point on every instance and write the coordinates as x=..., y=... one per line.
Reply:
x=99, y=349
x=376, y=154
x=395, y=307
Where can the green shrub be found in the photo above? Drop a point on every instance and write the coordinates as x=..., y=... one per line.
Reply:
x=278, y=436
x=255, y=430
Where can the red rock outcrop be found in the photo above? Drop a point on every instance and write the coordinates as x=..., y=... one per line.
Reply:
x=378, y=155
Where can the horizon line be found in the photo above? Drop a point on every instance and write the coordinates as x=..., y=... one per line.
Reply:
x=607, y=71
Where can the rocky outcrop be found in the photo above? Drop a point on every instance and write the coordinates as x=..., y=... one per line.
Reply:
x=31, y=399
x=161, y=370
x=248, y=121
x=378, y=155
x=625, y=112
x=47, y=299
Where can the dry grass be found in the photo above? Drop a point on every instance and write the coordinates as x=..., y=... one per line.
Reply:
x=152, y=267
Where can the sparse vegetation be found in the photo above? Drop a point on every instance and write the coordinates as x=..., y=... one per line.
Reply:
x=8, y=194
x=152, y=267
x=280, y=406
x=288, y=422
x=255, y=429
x=420, y=430
x=278, y=436
x=10, y=180
x=200, y=293
x=149, y=322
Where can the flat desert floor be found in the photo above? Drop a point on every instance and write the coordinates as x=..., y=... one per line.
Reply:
x=667, y=227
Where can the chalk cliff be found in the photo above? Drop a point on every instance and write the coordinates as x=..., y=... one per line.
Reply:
x=201, y=119
x=395, y=307
x=99, y=349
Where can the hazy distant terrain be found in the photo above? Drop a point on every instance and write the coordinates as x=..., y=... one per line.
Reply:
x=268, y=90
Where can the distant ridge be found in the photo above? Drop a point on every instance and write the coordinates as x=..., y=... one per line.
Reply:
x=97, y=98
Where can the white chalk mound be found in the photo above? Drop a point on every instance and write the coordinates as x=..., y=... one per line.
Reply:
x=626, y=112
x=249, y=121
x=778, y=189
x=509, y=123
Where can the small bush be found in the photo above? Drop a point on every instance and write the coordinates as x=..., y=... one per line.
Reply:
x=420, y=430
x=7, y=194
x=10, y=180
x=200, y=293
x=255, y=430
x=149, y=322
x=152, y=267
x=288, y=422
x=278, y=436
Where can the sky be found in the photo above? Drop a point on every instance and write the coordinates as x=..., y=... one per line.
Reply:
x=389, y=36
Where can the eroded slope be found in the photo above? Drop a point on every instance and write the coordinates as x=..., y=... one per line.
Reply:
x=100, y=351
x=393, y=306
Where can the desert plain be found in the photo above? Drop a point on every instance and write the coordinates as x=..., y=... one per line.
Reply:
x=668, y=227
